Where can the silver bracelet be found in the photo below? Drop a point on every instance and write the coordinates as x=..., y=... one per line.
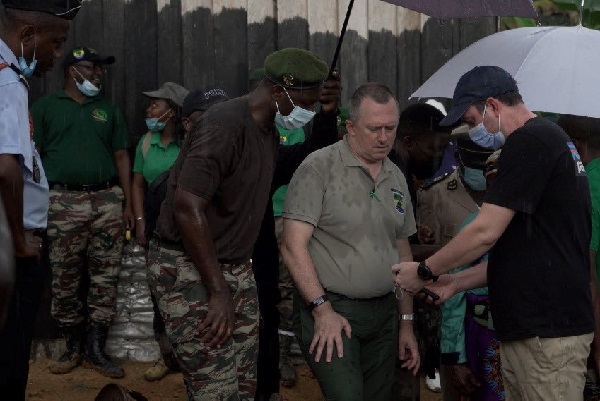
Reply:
x=410, y=317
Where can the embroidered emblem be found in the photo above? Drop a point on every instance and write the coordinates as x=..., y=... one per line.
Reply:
x=398, y=200
x=288, y=79
x=100, y=115
x=452, y=185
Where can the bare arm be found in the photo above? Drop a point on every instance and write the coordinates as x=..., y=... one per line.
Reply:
x=470, y=243
x=124, y=171
x=450, y=284
x=408, y=349
x=328, y=324
x=138, y=188
x=199, y=246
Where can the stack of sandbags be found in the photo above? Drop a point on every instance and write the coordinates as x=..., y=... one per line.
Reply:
x=131, y=336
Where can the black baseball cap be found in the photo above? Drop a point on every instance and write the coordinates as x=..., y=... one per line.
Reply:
x=202, y=100
x=66, y=9
x=478, y=84
x=82, y=53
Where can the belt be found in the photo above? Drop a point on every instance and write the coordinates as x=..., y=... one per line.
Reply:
x=59, y=186
x=178, y=246
x=345, y=297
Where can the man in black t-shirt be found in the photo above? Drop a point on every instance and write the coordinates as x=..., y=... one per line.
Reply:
x=536, y=216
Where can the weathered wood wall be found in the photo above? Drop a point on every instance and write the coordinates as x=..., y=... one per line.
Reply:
x=217, y=42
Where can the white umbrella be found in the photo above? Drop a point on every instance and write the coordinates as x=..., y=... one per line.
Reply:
x=556, y=68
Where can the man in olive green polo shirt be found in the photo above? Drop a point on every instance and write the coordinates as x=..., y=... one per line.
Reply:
x=585, y=133
x=83, y=140
x=347, y=216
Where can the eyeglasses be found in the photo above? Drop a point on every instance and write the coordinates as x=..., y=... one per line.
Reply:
x=79, y=53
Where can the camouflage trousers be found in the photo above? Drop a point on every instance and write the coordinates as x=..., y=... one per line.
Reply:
x=286, y=285
x=85, y=231
x=225, y=373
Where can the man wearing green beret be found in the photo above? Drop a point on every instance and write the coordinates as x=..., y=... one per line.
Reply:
x=199, y=264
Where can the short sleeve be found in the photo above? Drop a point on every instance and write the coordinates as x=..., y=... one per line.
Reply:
x=304, y=198
x=209, y=158
x=523, y=172
x=120, y=138
x=138, y=162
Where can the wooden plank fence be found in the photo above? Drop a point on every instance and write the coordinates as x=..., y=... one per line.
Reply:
x=217, y=42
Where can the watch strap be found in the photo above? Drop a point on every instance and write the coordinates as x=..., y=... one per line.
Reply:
x=317, y=301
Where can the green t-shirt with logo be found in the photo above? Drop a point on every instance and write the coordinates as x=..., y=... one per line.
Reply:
x=77, y=142
x=159, y=158
x=286, y=137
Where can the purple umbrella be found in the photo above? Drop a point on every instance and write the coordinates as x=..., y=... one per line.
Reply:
x=446, y=9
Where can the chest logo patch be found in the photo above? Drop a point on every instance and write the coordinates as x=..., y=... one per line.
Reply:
x=100, y=115
x=398, y=200
x=579, y=169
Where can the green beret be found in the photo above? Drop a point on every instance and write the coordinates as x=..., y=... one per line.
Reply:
x=341, y=119
x=296, y=68
x=257, y=74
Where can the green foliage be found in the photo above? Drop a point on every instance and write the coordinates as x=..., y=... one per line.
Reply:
x=558, y=12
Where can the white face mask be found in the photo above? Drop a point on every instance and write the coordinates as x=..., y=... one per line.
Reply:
x=298, y=118
x=480, y=135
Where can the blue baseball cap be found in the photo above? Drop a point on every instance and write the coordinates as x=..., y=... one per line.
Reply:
x=478, y=84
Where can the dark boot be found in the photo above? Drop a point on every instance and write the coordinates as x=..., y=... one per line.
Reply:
x=73, y=355
x=94, y=353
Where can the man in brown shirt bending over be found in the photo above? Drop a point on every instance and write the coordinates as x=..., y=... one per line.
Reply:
x=199, y=265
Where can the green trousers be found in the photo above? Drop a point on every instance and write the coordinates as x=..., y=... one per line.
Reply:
x=366, y=371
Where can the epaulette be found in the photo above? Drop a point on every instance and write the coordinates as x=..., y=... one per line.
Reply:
x=431, y=183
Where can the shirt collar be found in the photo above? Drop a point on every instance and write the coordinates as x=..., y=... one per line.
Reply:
x=350, y=159
x=62, y=94
x=7, y=54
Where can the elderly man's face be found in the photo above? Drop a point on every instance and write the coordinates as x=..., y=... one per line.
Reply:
x=374, y=132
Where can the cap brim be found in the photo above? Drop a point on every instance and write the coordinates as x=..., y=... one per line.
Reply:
x=455, y=114
x=155, y=94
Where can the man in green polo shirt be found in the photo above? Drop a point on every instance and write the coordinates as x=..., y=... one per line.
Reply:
x=83, y=140
x=585, y=134
x=347, y=216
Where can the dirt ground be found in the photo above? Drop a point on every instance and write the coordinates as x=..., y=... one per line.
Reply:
x=84, y=384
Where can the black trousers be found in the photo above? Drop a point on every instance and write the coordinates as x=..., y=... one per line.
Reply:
x=16, y=335
x=267, y=283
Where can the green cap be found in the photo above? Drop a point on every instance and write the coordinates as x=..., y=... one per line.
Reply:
x=257, y=74
x=296, y=68
x=341, y=119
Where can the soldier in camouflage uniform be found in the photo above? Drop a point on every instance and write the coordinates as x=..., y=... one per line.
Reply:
x=83, y=143
x=199, y=266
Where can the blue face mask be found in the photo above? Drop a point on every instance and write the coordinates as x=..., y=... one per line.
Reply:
x=474, y=179
x=154, y=124
x=27, y=69
x=86, y=87
x=480, y=135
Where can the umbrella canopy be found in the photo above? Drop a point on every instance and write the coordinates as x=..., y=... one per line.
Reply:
x=446, y=9
x=556, y=68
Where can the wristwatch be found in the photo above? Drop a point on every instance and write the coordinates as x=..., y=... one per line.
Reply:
x=424, y=272
x=316, y=302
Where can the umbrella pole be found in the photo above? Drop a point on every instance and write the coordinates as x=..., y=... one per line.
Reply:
x=341, y=39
